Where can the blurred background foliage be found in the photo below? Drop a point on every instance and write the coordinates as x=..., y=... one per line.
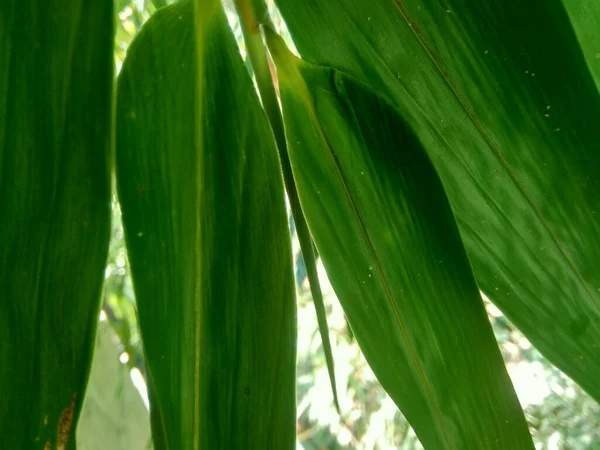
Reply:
x=561, y=415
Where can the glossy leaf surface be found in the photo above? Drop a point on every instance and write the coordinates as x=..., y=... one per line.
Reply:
x=206, y=231
x=56, y=69
x=503, y=101
x=387, y=236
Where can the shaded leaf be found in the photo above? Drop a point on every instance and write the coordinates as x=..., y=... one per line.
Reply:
x=206, y=232
x=56, y=68
x=387, y=236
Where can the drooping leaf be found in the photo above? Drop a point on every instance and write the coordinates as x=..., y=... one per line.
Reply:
x=206, y=233
x=503, y=101
x=387, y=236
x=56, y=69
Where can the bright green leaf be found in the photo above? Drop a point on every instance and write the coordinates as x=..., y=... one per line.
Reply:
x=206, y=231
x=387, y=236
x=56, y=71
x=501, y=97
x=585, y=16
x=159, y=3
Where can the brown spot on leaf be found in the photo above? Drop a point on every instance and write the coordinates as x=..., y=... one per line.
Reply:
x=47, y=446
x=64, y=425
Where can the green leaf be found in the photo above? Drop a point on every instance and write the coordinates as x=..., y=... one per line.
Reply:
x=503, y=101
x=56, y=69
x=158, y=3
x=387, y=237
x=585, y=15
x=258, y=56
x=206, y=232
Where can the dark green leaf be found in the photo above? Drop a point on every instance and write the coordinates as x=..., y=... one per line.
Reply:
x=387, y=237
x=503, y=101
x=56, y=69
x=206, y=231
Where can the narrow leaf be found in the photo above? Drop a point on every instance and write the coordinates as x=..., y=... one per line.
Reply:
x=56, y=69
x=258, y=56
x=206, y=232
x=387, y=237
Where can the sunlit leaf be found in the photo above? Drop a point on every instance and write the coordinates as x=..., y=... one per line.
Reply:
x=387, y=236
x=585, y=16
x=206, y=232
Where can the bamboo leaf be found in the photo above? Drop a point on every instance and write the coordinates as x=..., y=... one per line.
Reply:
x=56, y=68
x=206, y=232
x=387, y=236
x=502, y=98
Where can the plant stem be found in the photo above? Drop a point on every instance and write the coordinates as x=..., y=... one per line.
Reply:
x=249, y=11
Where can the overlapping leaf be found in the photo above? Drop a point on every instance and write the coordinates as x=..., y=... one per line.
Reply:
x=387, y=236
x=206, y=231
x=503, y=101
x=55, y=108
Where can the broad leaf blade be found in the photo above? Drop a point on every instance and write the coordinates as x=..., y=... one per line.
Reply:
x=387, y=237
x=207, y=237
x=501, y=97
x=56, y=68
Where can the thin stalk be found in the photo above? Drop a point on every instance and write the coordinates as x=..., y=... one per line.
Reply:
x=159, y=3
x=248, y=12
x=204, y=12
